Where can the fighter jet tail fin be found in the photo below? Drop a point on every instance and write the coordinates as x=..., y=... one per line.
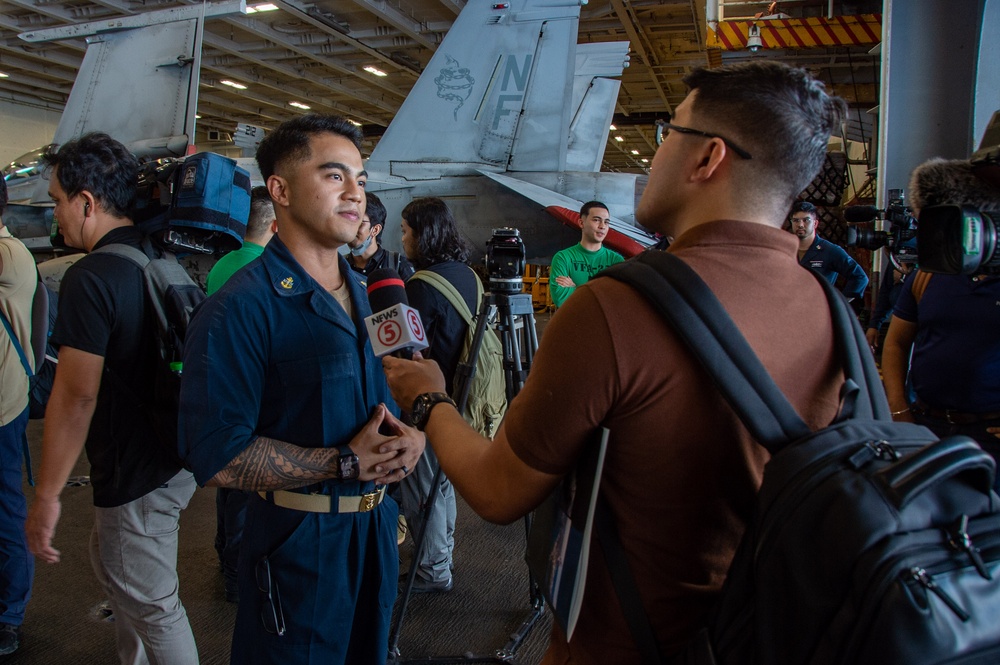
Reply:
x=493, y=96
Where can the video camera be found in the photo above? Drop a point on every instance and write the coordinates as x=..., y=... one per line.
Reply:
x=899, y=234
x=505, y=260
x=962, y=239
x=198, y=204
x=958, y=240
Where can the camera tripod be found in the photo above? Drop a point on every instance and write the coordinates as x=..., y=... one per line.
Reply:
x=515, y=320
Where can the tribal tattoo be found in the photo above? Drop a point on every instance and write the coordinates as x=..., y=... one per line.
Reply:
x=269, y=464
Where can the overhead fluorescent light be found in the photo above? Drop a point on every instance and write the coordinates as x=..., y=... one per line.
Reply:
x=635, y=152
x=644, y=160
x=612, y=128
x=299, y=105
x=619, y=138
x=197, y=117
x=4, y=75
x=233, y=84
x=262, y=7
x=375, y=71
x=354, y=122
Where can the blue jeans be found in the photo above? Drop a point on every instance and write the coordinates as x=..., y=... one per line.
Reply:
x=434, y=560
x=133, y=549
x=17, y=566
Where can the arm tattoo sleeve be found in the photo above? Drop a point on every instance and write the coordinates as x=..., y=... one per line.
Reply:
x=269, y=464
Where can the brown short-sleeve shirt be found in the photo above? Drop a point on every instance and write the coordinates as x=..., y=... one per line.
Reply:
x=681, y=471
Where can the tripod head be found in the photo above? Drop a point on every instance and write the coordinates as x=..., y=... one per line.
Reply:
x=505, y=260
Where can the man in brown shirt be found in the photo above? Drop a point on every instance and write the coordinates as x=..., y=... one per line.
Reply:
x=681, y=470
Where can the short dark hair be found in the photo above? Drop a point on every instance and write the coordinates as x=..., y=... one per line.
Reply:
x=261, y=212
x=592, y=204
x=3, y=194
x=438, y=239
x=779, y=114
x=290, y=141
x=99, y=164
x=376, y=212
x=804, y=206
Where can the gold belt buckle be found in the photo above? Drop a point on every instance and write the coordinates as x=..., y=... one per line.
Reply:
x=367, y=502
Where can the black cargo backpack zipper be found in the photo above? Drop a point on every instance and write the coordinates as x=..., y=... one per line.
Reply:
x=806, y=478
x=906, y=568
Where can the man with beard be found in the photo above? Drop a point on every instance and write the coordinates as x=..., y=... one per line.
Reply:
x=823, y=256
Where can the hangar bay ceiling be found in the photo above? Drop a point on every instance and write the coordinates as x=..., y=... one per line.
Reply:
x=360, y=58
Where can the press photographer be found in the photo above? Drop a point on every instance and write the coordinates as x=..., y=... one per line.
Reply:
x=948, y=313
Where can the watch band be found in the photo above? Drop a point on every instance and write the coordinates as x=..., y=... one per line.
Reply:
x=424, y=404
x=346, y=452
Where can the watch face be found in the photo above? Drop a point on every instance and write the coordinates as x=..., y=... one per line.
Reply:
x=422, y=407
x=348, y=467
x=419, y=410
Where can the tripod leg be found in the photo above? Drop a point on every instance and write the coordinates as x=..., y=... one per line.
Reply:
x=463, y=379
x=420, y=534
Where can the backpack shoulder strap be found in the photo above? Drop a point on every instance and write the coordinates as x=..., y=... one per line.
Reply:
x=17, y=344
x=39, y=328
x=450, y=293
x=40, y=320
x=856, y=359
x=136, y=256
x=698, y=318
x=690, y=307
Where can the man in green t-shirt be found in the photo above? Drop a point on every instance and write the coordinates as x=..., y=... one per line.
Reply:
x=576, y=265
x=261, y=227
x=231, y=504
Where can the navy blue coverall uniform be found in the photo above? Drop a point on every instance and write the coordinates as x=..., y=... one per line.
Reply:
x=273, y=354
x=830, y=260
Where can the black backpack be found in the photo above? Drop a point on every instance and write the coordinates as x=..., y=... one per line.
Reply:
x=45, y=308
x=173, y=296
x=871, y=541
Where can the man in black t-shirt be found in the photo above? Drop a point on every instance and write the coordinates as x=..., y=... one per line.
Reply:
x=367, y=254
x=105, y=376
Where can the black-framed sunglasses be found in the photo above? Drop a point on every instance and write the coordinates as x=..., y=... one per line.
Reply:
x=663, y=128
x=271, y=615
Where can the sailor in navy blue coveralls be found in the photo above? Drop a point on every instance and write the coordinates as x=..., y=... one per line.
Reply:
x=273, y=354
x=831, y=260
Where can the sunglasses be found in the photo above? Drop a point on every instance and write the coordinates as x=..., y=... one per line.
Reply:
x=272, y=615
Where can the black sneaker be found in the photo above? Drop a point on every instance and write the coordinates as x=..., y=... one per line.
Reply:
x=10, y=638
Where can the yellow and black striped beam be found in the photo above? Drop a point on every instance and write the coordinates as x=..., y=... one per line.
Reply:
x=860, y=30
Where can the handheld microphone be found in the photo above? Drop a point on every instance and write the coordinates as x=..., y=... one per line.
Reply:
x=395, y=327
x=857, y=214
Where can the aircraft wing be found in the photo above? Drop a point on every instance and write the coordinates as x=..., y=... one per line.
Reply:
x=624, y=238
